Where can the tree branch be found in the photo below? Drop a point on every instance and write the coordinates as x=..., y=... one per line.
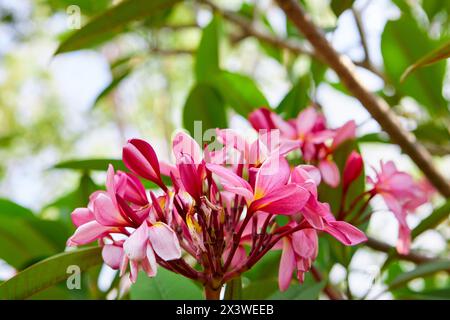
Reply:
x=384, y=247
x=377, y=107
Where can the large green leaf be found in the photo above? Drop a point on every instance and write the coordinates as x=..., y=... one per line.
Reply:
x=438, y=54
x=24, y=238
x=113, y=21
x=204, y=104
x=436, y=294
x=207, y=61
x=165, y=286
x=403, y=43
x=48, y=272
x=260, y=289
x=239, y=91
x=434, y=219
x=420, y=271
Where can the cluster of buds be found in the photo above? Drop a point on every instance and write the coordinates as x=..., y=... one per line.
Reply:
x=212, y=215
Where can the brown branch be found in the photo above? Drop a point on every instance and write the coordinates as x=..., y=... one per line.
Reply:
x=384, y=247
x=329, y=289
x=377, y=107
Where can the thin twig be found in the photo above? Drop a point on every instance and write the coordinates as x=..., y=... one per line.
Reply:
x=384, y=247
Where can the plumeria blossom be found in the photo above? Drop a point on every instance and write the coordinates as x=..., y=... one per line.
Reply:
x=402, y=196
x=317, y=142
x=220, y=215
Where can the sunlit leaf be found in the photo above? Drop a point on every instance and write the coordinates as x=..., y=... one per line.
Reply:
x=240, y=92
x=207, y=61
x=403, y=43
x=420, y=271
x=433, y=220
x=433, y=57
x=112, y=21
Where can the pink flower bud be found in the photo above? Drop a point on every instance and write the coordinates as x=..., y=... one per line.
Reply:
x=141, y=159
x=353, y=168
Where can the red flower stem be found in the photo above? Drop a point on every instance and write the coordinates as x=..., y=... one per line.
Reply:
x=356, y=201
x=236, y=240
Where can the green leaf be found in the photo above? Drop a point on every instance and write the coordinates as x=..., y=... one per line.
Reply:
x=88, y=7
x=207, y=62
x=403, y=43
x=25, y=238
x=48, y=272
x=113, y=21
x=260, y=289
x=204, y=104
x=433, y=131
x=439, y=54
x=233, y=289
x=421, y=271
x=437, y=294
x=305, y=291
x=296, y=99
x=165, y=286
x=434, y=219
x=239, y=91
x=375, y=137
x=433, y=7
x=91, y=164
x=339, y=6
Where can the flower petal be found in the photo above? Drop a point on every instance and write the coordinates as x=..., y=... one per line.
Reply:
x=141, y=159
x=345, y=232
x=330, y=172
x=81, y=216
x=106, y=213
x=89, y=232
x=272, y=174
x=183, y=144
x=231, y=181
x=287, y=265
x=287, y=200
x=164, y=241
x=112, y=255
x=135, y=246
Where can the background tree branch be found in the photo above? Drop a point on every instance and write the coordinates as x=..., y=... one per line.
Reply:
x=377, y=107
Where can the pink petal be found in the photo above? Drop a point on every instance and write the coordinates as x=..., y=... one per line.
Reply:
x=141, y=159
x=89, y=232
x=183, y=144
x=149, y=264
x=346, y=132
x=305, y=243
x=135, y=246
x=287, y=265
x=81, y=216
x=230, y=138
x=239, y=256
x=286, y=129
x=272, y=174
x=164, y=241
x=306, y=120
x=260, y=119
x=404, y=240
x=189, y=176
x=286, y=200
x=231, y=181
x=106, y=213
x=345, y=232
x=330, y=172
x=112, y=255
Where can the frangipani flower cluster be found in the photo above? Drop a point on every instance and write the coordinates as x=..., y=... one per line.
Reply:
x=211, y=219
